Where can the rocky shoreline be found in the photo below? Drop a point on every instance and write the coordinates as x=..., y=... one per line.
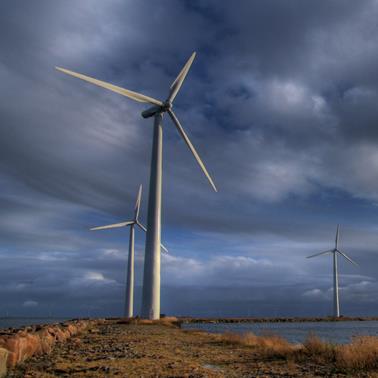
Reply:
x=18, y=345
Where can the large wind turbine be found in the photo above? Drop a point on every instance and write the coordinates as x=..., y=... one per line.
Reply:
x=151, y=278
x=335, y=251
x=129, y=295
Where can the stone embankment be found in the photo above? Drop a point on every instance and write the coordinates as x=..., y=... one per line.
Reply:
x=16, y=346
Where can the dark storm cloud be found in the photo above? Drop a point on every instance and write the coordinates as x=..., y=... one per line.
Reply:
x=280, y=103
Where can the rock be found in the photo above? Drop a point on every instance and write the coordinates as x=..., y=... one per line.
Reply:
x=12, y=359
x=20, y=345
x=47, y=340
x=12, y=345
x=3, y=362
x=30, y=346
x=72, y=329
x=60, y=334
x=25, y=343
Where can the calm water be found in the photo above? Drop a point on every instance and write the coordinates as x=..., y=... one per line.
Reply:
x=335, y=332
x=20, y=322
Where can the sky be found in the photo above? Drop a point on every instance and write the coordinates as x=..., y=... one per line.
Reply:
x=281, y=104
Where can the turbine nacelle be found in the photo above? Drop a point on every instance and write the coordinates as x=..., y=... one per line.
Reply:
x=151, y=112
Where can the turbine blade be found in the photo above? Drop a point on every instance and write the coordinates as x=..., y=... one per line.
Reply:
x=141, y=226
x=145, y=230
x=337, y=237
x=165, y=250
x=176, y=85
x=191, y=147
x=137, y=203
x=115, y=225
x=347, y=257
x=320, y=253
x=124, y=92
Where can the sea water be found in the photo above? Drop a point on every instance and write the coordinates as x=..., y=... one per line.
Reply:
x=335, y=332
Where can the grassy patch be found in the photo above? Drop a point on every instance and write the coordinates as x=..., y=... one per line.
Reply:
x=359, y=355
x=271, y=346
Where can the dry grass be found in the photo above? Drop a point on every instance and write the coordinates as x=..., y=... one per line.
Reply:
x=318, y=350
x=360, y=355
x=269, y=345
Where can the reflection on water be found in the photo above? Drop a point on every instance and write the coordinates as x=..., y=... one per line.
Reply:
x=335, y=332
x=21, y=322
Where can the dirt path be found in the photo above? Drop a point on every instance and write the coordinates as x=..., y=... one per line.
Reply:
x=122, y=350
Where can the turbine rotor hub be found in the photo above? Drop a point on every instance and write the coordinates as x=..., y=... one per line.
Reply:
x=166, y=106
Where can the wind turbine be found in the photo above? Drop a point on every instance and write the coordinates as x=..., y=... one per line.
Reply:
x=335, y=251
x=129, y=295
x=151, y=278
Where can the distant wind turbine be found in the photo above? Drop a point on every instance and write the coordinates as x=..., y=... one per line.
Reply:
x=129, y=295
x=335, y=251
x=151, y=278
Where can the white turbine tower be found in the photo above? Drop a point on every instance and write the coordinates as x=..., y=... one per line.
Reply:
x=129, y=294
x=335, y=251
x=151, y=278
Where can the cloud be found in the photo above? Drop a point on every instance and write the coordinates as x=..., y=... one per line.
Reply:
x=95, y=276
x=30, y=303
x=113, y=254
x=316, y=294
x=280, y=104
x=222, y=270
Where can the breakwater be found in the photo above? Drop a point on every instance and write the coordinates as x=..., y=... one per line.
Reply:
x=276, y=320
x=17, y=345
